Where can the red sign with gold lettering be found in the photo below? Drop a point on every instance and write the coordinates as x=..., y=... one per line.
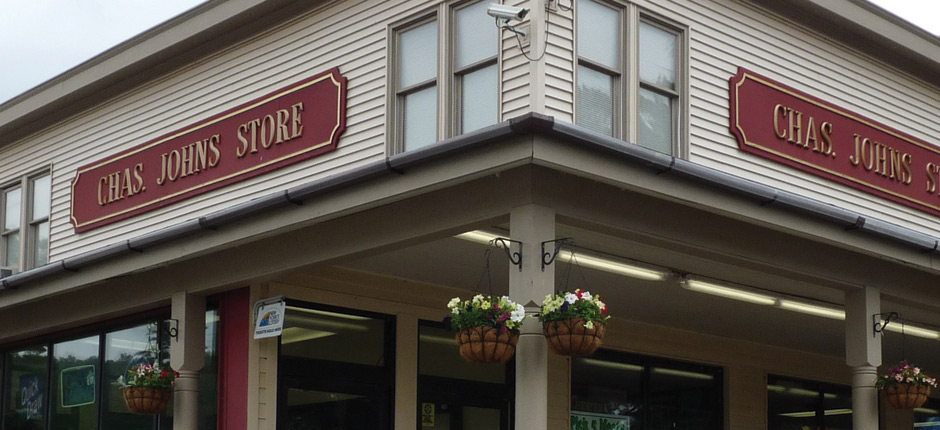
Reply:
x=783, y=124
x=282, y=128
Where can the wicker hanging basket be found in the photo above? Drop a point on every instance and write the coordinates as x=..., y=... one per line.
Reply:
x=905, y=396
x=145, y=400
x=486, y=344
x=570, y=337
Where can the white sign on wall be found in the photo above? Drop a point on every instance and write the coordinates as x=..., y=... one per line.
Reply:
x=269, y=318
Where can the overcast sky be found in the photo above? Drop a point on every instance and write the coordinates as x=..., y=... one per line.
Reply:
x=39, y=39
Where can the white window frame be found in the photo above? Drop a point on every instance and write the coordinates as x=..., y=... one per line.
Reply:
x=449, y=102
x=627, y=83
x=28, y=226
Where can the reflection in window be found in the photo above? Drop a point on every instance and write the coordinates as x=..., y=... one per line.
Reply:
x=456, y=394
x=800, y=404
x=74, y=384
x=625, y=391
x=71, y=386
x=927, y=417
x=335, y=369
x=26, y=376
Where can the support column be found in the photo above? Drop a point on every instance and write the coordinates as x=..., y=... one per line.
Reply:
x=863, y=354
x=531, y=225
x=187, y=356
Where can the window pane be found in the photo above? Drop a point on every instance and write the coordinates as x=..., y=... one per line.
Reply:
x=837, y=407
x=316, y=409
x=324, y=335
x=683, y=398
x=11, y=218
x=123, y=350
x=655, y=121
x=595, y=101
x=26, y=381
x=74, y=384
x=41, y=197
x=598, y=33
x=438, y=356
x=41, y=254
x=606, y=394
x=479, y=99
x=420, y=122
x=418, y=56
x=12, y=251
x=476, y=34
x=657, y=56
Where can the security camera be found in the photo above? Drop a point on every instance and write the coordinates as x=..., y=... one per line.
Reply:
x=507, y=13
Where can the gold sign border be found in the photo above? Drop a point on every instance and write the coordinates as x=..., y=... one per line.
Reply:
x=795, y=93
x=339, y=95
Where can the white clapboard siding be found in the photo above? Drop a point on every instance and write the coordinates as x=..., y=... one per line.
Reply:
x=559, y=66
x=307, y=45
x=516, y=73
x=726, y=34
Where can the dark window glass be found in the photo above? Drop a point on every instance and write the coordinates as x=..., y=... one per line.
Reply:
x=27, y=383
x=927, y=417
x=123, y=350
x=799, y=404
x=456, y=394
x=333, y=336
x=335, y=369
x=75, y=384
x=76, y=389
x=624, y=391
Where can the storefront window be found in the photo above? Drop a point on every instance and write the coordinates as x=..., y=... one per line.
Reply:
x=799, y=404
x=629, y=392
x=927, y=417
x=456, y=394
x=70, y=385
x=26, y=376
x=335, y=369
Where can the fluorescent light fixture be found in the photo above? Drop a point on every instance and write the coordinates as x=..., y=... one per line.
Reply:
x=328, y=313
x=928, y=411
x=478, y=236
x=612, y=365
x=612, y=266
x=807, y=414
x=821, y=311
x=299, y=334
x=605, y=264
x=682, y=373
x=897, y=327
x=721, y=290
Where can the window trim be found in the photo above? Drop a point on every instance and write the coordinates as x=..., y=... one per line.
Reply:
x=448, y=79
x=626, y=96
x=28, y=226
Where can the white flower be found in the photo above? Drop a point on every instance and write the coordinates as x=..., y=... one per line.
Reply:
x=517, y=315
x=589, y=325
x=477, y=299
x=585, y=295
x=571, y=298
x=453, y=303
x=601, y=305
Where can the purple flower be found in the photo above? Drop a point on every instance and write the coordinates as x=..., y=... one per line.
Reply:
x=503, y=329
x=502, y=318
x=564, y=306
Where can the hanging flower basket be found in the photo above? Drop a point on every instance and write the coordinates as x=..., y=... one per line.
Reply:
x=905, y=386
x=573, y=323
x=146, y=400
x=487, y=344
x=487, y=327
x=905, y=396
x=571, y=337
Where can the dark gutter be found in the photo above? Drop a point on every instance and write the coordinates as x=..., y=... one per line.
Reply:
x=528, y=124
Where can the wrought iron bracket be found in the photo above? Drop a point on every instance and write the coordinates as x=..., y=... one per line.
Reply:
x=514, y=257
x=174, y=331
x=877, y=326
x=549, y=257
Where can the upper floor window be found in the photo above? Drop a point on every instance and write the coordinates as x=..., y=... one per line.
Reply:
x=463, y=48
x=636, y=97
x=24, y=238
